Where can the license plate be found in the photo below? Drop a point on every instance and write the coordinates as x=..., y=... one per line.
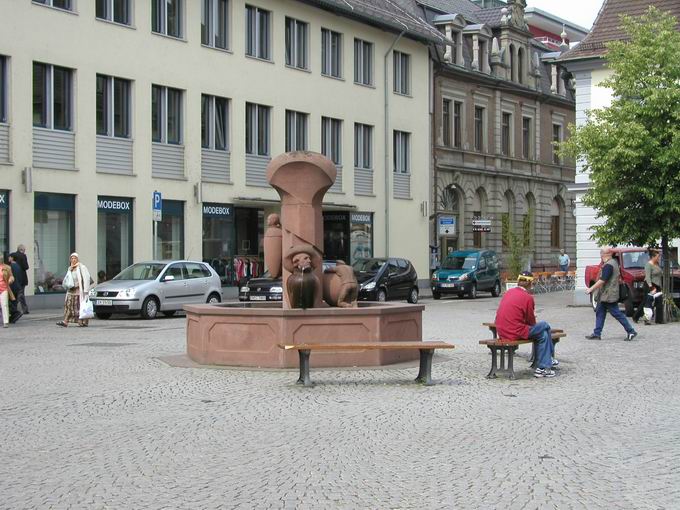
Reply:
x=258, y=298
x=103, y=302
x=449, y=284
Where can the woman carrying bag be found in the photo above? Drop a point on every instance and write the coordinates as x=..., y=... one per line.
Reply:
x=6, y=280
x=77, y=306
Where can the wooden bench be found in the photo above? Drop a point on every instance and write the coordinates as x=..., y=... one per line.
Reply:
x=426, y=352
x=502, y=346
x=492, y=328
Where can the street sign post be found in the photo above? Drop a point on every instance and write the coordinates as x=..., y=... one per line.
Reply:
x=447, y=225
x=481, y=224
x=157, y=204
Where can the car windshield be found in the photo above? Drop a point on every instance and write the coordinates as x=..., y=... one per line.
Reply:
x=460, y=262
x=368, y=265
x=635, y=259
x=141, y=271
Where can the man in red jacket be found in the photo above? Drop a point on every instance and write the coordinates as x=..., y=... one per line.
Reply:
x=515, y=319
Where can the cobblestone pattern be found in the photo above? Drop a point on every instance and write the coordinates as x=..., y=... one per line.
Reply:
x=108, y=425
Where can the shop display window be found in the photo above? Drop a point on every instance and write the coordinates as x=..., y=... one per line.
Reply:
x=114, y=236
x=54, y=240
x=219, y=240
x=170, y=231
x=4, y=221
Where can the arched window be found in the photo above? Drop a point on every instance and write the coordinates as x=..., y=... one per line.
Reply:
x=478, y=211
x=513, y=69
x=450, y=199
x=507, y=216
x=556, y=222
x=520, y=65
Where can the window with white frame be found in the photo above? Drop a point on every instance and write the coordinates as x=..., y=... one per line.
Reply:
x=331, y=53
x=258, y=129
x=113, y=106
x=479, y=128
x=258, y=37
x=402, y=72
x=4, y=78
x=117, y=11
x=297, y=43
x=166, y=115
x=214, y=122
x=363, y=62
x=296, y=131
x=215, y=23
x=52, y=97
x=401, y=151
x=526, y=137
x=556, y=138
x=331, y=139
x=167, y=17
x=59, y=4
x=506, y=125
x=363, y=146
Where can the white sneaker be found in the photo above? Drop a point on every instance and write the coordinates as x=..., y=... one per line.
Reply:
x=555, y=363
x=544, y=372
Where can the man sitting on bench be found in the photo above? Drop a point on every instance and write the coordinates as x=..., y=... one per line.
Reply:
x=515, y=319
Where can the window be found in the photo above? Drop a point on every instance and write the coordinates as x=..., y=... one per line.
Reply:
x=117, y=11
x=258, y=40
x=114, y=236
x=446, y=122
x=555, y=224
x=526, y=137
x=457, y=134
x=52, y=97
x=363, y=146
x=215, y=23
x=479, y=128
x=54, y=234
x=297, y=43
x=402, y=152
x=257, y=129
x=363, y=62
x=331, y=53
x=557, y=138
x=170, y=233
x=331, y=139
x=4, y=78
x=296, y=131
x=166, y=17
x=402, y=72
x=214, y=123
x=113, y=106
x=59, y=4
x=166, y=115
x=505, y=134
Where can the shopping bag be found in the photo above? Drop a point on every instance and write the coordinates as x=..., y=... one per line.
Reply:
x=86, y=309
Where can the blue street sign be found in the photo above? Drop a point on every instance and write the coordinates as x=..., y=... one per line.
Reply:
x=157, y=206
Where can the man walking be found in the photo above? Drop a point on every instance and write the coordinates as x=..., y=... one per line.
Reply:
x=606, y=292
x=14, y=313
x=515, y=319
x=20, y=257
x=563, y=261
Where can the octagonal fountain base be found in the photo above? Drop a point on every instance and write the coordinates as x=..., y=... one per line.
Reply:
x=248, y=334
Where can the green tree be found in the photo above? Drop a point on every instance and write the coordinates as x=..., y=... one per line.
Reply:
x=632, y=147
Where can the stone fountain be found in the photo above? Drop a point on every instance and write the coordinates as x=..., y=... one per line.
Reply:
x=317, y=307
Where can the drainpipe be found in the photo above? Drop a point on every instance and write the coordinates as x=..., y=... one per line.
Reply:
x=388, y=172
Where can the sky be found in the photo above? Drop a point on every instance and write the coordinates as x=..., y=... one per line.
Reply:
x=581, y=12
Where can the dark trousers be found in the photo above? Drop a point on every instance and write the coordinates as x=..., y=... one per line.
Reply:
x=658, y=307
x=21, y=298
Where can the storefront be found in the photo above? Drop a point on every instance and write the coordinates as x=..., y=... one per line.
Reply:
x=4, y=221
x=361, y=235
x=347, y=236
x=114, y=236
x=54, y=234
x=219, y=240
x=170, y=231
x=249, y=236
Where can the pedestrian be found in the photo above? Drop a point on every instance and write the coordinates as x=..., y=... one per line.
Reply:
x=77, y=285
x=606, y=293
x=21, y=259
x=653, y=285
x=6, y=295
x=14, y=312
x=563, y=261
x=515, y=319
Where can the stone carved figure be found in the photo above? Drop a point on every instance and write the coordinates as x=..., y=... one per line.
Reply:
x=340, y=287
x=272, y=245
x=302, y=286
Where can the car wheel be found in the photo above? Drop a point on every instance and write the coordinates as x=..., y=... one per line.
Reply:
x=213, y=299
x=436, y=295
x=150, y=308
x=381, y=296
x=461, y=295
x=496, y=289
x=473, y=291
x=413, y=296
x=103, y=315
x=169, y=313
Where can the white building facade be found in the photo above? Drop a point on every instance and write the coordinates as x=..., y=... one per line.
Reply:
x=106, y=102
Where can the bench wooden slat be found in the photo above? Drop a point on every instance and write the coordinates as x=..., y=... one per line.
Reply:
x=556, y=335
x=492, y=325
x=354, y=346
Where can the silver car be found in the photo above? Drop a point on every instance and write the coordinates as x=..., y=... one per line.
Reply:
x=147, y=288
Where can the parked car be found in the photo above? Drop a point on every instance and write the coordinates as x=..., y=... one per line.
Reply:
x=147, y=288
x=382, y=279
x=632, y=265
x=266, y=288
x=467, y=272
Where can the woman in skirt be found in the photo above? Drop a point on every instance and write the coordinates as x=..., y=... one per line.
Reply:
x=77, y=285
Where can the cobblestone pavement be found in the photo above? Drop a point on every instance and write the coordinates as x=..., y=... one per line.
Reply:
x=91, y=418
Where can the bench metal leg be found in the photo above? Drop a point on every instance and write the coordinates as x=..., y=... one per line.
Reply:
x=502, y=354
x=425, y=372
x=304, y=368
x=494, y=367
x=511, y=356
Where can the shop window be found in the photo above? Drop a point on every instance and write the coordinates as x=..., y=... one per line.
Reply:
x=361, y=236
x=114, y=236
x=170, y=231
x=219, y=240
x=54, y=234
x=4, y=221
x=336, y=244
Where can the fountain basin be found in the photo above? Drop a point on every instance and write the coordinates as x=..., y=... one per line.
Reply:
x=248, y=334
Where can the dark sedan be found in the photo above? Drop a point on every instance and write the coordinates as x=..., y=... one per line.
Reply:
x=265, y=288
x=382, y=279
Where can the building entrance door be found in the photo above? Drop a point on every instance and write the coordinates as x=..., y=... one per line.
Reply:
x=448, y=246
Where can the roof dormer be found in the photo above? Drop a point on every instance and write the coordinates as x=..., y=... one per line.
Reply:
x=452, y=26
x=481, y=36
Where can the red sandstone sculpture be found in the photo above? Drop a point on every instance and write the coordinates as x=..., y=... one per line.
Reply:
x=340, y=287
x=273, y=246
x=302, y=285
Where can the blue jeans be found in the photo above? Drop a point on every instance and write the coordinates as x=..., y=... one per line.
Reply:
x=601, y=315
x=545, y=349
x=564, y=267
